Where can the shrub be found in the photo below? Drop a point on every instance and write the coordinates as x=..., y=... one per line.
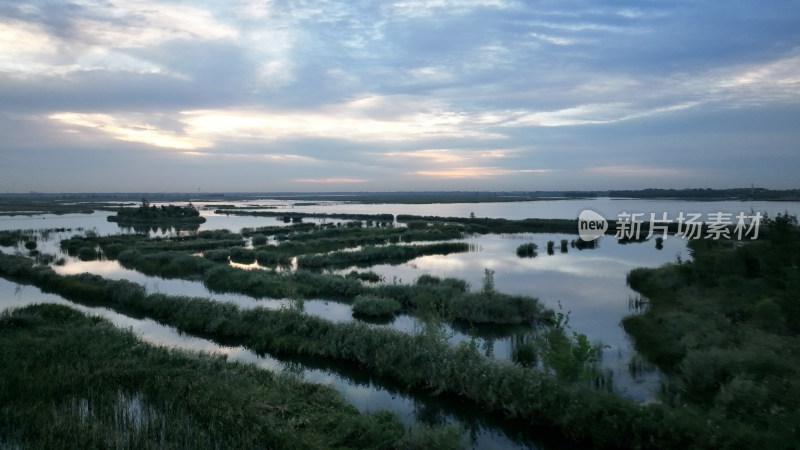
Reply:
x=243, y=255
x=87, y=254
x=527, y=250
x=259, y=239
x=220, y=255
x=369, y=305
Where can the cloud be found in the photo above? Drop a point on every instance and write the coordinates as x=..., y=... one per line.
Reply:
x=360, y=120
x=275, y=157
x=434, y=91
x=145, y=23
x=640, y=171
x=447, y=156
x=425, y=8
x=476, y=172
x=98, y=35
x=330, y=180
x=131, y=130
x=25, y=47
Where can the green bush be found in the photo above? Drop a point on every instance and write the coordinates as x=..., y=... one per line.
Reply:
x=496, y=307
x=87, y=254
x=219, y=255
x=527, y=250
x=243, y=255
x=369, y=305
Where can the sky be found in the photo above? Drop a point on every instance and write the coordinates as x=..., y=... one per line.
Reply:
x=406, y=95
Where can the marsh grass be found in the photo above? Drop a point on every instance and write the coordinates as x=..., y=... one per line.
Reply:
x=527, y=250
x=72, y=381
x=451, y=294
x=593, y=418
x=375, y=306
x=724, y=327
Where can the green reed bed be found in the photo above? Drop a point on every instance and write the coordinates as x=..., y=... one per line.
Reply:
x=370, y=305
x=71, y=381
x=450, y=296
x=724, y=327
x=145, y=255
x=590, y=417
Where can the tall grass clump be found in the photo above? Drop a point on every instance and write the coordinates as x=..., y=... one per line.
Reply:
x=527, y=250
x=369, y=305
x=243, y=255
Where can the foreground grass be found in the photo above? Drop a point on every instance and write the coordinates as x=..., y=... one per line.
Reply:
x=71, y=381
x=586, y=416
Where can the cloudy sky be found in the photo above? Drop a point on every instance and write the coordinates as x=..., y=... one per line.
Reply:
x=293, y=95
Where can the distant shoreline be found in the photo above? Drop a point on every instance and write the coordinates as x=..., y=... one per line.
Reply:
x=405, y=197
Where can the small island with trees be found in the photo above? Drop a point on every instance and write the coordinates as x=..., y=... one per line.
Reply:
x=165, y=215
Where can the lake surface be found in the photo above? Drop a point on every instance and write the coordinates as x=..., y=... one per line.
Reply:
x=590, y=284
x=540, y=209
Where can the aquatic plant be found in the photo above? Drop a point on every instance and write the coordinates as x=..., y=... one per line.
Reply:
x=593, y=418
x=527, y=250
x=370, y=305
x=78, y=382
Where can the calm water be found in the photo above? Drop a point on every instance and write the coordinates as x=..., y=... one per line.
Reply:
x=590, y=284
x=545, y=209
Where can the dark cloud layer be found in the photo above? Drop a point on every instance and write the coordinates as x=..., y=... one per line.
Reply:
x=423, y=94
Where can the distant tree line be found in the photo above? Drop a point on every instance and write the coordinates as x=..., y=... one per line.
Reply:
x=737, y=193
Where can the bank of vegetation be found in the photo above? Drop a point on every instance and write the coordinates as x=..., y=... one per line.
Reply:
x=165, y=215
x=448, y=295
x=178, y=258
x=749, y=193
x=381, y=219
x=724, y=327
x=424, y=360
x=71, y=381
